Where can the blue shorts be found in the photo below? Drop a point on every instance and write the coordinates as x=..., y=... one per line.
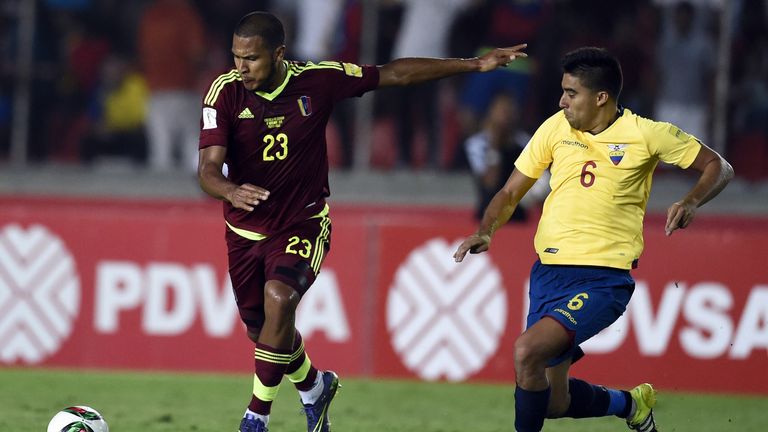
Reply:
x=583, y=299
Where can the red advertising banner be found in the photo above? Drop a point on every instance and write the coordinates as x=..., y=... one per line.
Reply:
x=144, y=285
x=698, y=319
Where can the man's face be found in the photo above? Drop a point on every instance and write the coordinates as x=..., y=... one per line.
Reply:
x=579, y=103
x=255, y=62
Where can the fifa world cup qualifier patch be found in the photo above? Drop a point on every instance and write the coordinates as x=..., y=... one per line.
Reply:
x=352, y=69
x=209, y=118
x=678, y=133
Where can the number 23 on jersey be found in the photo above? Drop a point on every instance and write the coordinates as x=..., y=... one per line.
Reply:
x=276, y=147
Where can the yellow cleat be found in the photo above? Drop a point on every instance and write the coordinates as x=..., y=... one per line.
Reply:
x=645, y=399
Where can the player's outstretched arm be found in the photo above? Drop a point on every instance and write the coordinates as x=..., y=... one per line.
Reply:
x=497, y=213
x=716, y=172
x=213, y=182
x=407, y=71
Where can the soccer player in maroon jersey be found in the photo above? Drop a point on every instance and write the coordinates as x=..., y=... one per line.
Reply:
x=266, y=120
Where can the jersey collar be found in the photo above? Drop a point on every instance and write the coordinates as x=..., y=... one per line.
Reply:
x=276, y=92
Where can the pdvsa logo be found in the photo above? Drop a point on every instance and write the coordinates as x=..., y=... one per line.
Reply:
x=446, y=320
x=39, y=293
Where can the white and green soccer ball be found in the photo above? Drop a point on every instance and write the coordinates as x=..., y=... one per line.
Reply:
x=78, y=419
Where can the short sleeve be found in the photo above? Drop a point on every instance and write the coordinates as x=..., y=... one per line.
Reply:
x=670, y=143
x=536, y=157
x=353, y=80
x=217, y=103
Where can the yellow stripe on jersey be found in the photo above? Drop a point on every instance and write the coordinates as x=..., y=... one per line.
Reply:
x=600, y=186
x=325, y=230
x=253, y=235
x=295, y=70
x=322, y=239
x=218, y=84
x=250, y=235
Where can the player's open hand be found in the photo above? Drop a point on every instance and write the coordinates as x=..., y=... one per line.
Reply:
x=501, y=57
x=247, y=196
x=679, y=216
x=473, y=244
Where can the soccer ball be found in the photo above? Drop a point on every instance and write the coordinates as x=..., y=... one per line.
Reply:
x=78, y=419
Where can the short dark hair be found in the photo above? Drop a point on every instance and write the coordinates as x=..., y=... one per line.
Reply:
x=264, y=25
x=597, y=69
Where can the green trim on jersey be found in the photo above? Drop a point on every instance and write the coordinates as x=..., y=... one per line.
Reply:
x=294, y=69
x=322, y=238
x=218, y=85
x=253, y=235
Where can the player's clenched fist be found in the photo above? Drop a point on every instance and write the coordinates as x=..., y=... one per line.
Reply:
x=246, y=196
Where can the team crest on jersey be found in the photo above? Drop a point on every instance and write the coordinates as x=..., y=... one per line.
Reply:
x=616, y=152
x=305, y=105
x=274, y=122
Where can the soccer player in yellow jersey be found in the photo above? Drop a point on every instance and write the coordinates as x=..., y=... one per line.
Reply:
x=601, y=157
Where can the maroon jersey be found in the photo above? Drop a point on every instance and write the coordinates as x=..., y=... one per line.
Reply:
x=277, y=140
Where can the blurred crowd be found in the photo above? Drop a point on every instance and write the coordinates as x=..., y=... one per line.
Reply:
x=124, y=80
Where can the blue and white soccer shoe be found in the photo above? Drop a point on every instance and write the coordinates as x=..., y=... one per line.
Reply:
x=317, y=413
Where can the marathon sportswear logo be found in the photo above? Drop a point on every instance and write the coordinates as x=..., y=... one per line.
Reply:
x=305, y=105
x=567, y=315
x=575, y=144
x=246, y=114
x=616, y=152
x=446, y=320
x=274, y=122
x=39, y=294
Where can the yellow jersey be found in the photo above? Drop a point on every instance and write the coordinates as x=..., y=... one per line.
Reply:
x=600, y=186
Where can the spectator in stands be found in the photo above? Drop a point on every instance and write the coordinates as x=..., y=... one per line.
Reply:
x=424, y=32
x=320, y=28
x=117, y=114
x=492, y=152
x=172, y=51
x=685, y=61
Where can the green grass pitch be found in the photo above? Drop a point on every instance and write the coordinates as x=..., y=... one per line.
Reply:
x=155, y=402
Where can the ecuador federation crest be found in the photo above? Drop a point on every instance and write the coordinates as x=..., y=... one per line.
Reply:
x=616, y=152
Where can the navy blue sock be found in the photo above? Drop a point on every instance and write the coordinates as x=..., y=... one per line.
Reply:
x=589, y=400
x=530, y=409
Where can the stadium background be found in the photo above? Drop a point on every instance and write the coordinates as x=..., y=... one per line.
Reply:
x=103, y=251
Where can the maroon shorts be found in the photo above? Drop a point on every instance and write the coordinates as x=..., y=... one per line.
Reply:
x=292, y=256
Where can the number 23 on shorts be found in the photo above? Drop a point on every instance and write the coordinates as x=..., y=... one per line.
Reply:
x=299, y=246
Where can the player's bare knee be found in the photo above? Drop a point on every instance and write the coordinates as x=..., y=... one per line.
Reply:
x=280, y=299
x=526, y=354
